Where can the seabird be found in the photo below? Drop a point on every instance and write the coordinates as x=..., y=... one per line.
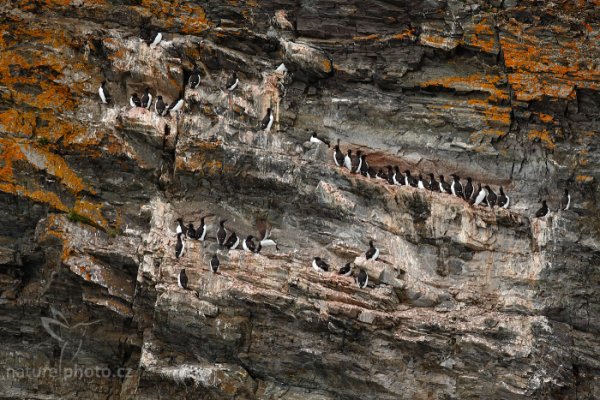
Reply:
x=159, y=106
x=357, y=163
x=491, y=196
x=221, y=233
x=469, y=189
x=362, y=279
x=214, y=263
x=373, y=253
x=180, y=246
x=364, y=166
x=232, y=241
x=180, y=227
x=249, y=245
x=266, y=241
x=103, y=92
x=338, y=156
x=390, y=175
x=456, y=187
x=433, y=184
x=444, y=186
x=201, y=231
x=191, y=232
x=503, y=200
x=194, y=80
x=348, y=160
x=397, y=177
x=232, y=82
x=176, y=105
x=381, y=175
x=481, y=195
x=135, y=101
x=565, y=203
x=409, y=179
x=315, y=139
x=542, y=211
x=420, y=184
x=320, y=265
x=156, y=40
x=182, y=279
x=147, y=99
x=346, y=270
x=267, y=120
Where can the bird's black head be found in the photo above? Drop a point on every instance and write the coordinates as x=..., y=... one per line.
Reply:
x=159, y=97
x=191, y=225
x=421, y=176
x=135, y=95
x=441, y=177
x=179, y=220
x=566, y=191
x=487, y=187
x=103, y=83
x=370, y=243
x=222, y=222
x=501, y=190
x=389, y=167
x=407, y=172
x=317, y=258
x=431, y=175
x=269, y=110
x=249, y=237
x=349, y=152
x=336, y=147
x=314, y=134
x=469, y=179
x=544, y=202
x=358, y=152
x=182, y=271
x=234, y=75
x=147, y=90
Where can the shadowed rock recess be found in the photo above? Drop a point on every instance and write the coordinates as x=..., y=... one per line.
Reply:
x=464, y=303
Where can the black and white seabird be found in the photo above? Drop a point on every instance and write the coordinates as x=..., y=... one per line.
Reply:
x=346, y=270
x=214, y=264
x=159, y=105
x=409, y=180
x=338, y=156
x=134, y=101
x=357, y=162
x=156, y=40
x=194, y=80
x=232, y=241
x=191, y=232
x=221, y=233
x=364, y=166
x=182, y=279
x=266, y=240
x=503, y=199
x=147, y=99
x=180, y=246
x=201, y=231
x=176, y=105
x=433, y=184
x=180, y=227
x=469, y=189
x=542, y=211
x=444, y=186
x=456, y=187
x=381, y=175
x=320, y=265
x=232, y=82
x=390, y=175
x=348, y=160
x=490, y=197
x=481, y=195
x=267, y=121
x=397, y=177
x=103, y=92
x=420, y=183
x=248, y=244
x=362, y=279
x=565, y=202
x=373, y=253
x=315, y=139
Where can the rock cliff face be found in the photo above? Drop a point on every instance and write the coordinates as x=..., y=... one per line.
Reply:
x=465, y=302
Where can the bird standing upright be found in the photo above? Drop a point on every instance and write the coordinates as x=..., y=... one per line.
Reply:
x=543, y=210
x=214, y=264
x=103, y=92
x=373, y=253
x=565, y=202
x=182, y=279
x=221, y=233
x=362, y=279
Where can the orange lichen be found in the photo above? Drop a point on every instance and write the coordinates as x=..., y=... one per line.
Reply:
x=38, y=196
x=544, y=136
x=190, y=17
x=326, y=65
x=367, y=37
x=545, y=117
x=439, y=42
x=584, y=178
x=476, y=82
x=92, y=211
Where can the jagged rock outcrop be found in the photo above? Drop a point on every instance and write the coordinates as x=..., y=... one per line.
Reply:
x=465, y=302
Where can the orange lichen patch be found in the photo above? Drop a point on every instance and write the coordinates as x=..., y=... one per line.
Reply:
x=529, y=87
x=475, y=82
x=92, y=211
x=407, y=34
x=547, y=118
x=584, y=178
x=9, y=153
x=439, y=42
x=368, y=37
x=326, y=65
x=38, y=196
x=54, y=165
x=20, y=123
x=481, y=36
x=544, y=136
x=189, y=17
x=495, y=116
